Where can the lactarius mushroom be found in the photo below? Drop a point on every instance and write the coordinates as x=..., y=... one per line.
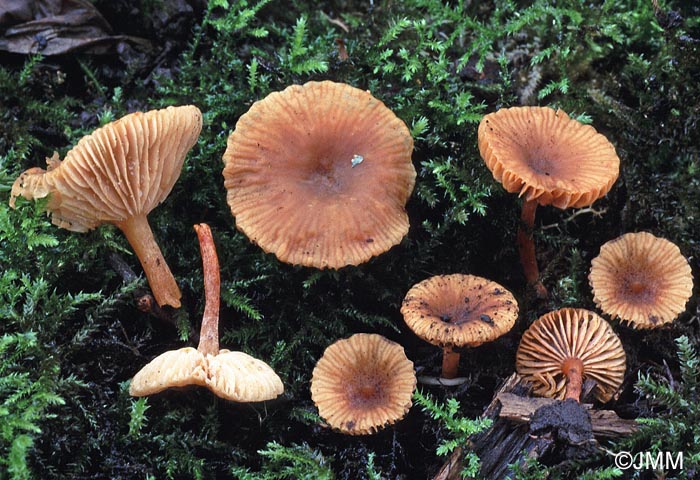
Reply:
x=548, y=159
x=453, y=311
x=564, y=347
x=362, y=384
x=641, y=279
x=117, y=175
x=319, y=174
x=231, y=375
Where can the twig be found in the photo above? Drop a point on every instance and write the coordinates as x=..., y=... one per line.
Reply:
x=580, y=211
x=445, y=382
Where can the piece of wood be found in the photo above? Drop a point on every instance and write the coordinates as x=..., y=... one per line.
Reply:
x=508, y=441
x=605, y=423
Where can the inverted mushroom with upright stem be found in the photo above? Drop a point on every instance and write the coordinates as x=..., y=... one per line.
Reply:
x=548, y=159
x=562, y=348
x=231, y=375
x=117, y=175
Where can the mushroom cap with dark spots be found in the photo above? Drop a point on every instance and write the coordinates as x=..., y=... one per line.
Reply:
x=459, y=310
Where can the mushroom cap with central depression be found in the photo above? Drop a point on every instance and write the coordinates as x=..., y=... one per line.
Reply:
x=363, y=383
x=544, y=155
x=319, y=174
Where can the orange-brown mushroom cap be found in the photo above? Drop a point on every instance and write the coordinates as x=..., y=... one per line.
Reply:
x=319, y=174
x=544, y=155
x=117, y=175
x=571, y=333
x=641, y=279
x=119, y=171
x=363, y=383
x=459, y=310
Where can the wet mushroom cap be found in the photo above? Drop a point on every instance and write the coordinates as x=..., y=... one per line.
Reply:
x=319, y=174
x=459, y=310
x=571, y=333
x=642, y=279
x=362, y=384
x=544, y=155
x=119, y=171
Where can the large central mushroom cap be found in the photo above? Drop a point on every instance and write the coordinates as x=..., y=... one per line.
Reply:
x=546, y=156
x=320, y=174
x=642, y=279
x=562, y=338
x=459, y=310
x=363, y=383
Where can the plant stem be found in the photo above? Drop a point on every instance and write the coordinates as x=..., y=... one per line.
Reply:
x=209, y=333
x=160, y=278
x=450, y=362
x=526, y=246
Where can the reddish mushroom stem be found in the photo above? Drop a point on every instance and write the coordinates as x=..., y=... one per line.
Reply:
x=160, y=278
x=526, y=246
x=573, y=369
x=209, y=332
x=450, y=362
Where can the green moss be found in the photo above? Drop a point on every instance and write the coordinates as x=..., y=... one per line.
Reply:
x=74, y=335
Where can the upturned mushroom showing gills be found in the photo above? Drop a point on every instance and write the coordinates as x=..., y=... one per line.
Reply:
x=117, y=175
x=564, y=347
x=231, y=375
x=363, y=383
x=453, y=311
x=319, y=174
x=642, y=279
x=548, y=159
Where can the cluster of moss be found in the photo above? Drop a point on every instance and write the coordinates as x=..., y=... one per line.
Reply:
x=71, y=335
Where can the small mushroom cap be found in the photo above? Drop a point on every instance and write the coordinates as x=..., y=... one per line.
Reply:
x=239, y=377
x=459, y=310
x=363, y=383
x=319, y=174
x=571, y=333
x=544, y=155
x=123, y=169
x=641, y=279
x=175, y=368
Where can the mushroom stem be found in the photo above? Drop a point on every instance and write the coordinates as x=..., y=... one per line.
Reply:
x=450, y=362
x=573, y=369
x=209, y=332
x=160, y=278
x=526, y=246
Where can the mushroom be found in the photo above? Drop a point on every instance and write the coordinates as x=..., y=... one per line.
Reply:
x=231, y=375
x=563, y=347
x=641, y=279
x=319, y=174
x=363, y=383
x=458, y=311
x=549, y=159
x=117, y=175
